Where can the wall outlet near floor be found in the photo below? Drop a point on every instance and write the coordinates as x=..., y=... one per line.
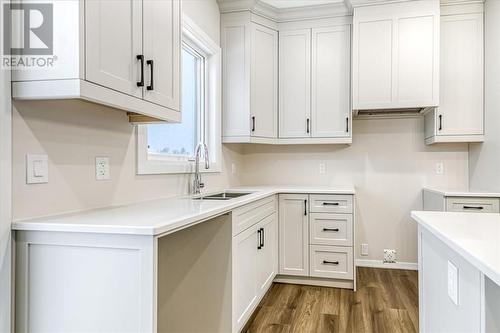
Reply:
x=322, y=168
x=439, y=168
x=389, y=256
x=102, y=168
x=364, y=249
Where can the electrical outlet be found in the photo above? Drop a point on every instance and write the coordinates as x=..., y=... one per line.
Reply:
x=233, y=169
x=439, y=168
x=364, y=249
x=102, y=168
x=389, y=256
x=322, y=168
x=453, y=282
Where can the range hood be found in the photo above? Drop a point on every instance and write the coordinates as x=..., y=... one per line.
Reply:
x=391, y=113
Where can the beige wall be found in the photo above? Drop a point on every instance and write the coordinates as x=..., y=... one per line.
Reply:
x=73, y=133
x=388, y=164
x=485, y=157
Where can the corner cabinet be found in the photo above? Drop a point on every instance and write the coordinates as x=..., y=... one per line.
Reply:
x=460, y=115
x=313, y=73
x=123, y=54
x=396, y=55
x=250, y=78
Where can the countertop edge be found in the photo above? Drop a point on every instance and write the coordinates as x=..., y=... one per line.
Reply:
x=473, y=260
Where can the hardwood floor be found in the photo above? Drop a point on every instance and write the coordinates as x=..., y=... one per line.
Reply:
x=386, y=301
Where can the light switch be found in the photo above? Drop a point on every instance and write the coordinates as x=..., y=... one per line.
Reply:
x=453, y=282
x=37, y=169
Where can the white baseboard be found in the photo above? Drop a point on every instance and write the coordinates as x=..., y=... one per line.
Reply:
x=380, y=264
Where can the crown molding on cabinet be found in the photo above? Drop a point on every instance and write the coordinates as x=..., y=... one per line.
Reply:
x=286, y=14
x=337, y=9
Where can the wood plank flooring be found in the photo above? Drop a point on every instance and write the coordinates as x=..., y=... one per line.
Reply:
x=386, y=301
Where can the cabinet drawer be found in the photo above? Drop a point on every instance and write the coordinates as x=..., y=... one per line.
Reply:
x=478, y=205
x=246, y=216
x=331, y=262
x=330, y=229
x=330, y=203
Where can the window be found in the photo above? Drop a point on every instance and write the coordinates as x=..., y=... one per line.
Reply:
x=170, y=148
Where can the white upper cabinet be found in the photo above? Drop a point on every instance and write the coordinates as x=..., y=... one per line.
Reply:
x=124, y=54
x=330, y=84
x=396, y=55
x=250, y=78
x=295, y=83
x=460, y=116
x=114, y=40
x=264, y=82
x=162, y=37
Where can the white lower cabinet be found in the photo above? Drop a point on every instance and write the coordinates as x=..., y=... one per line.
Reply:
x=294, y=234
x=255, y=263
x=317, y=239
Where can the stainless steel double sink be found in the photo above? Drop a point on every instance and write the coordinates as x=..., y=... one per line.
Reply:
x=222, y=196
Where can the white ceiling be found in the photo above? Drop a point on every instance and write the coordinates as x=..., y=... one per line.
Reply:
x=280, y=4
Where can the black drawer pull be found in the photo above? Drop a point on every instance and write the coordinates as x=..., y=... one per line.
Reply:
x=259, y=239
x=330, y=204
x=151, y=64
x=305, y=207
x=325, y=262
x=328, y=229
x=140, y=57
x=474, y=207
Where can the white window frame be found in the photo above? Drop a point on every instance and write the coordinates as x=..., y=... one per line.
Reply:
x=150, y=163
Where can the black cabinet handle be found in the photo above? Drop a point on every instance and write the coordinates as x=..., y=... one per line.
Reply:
x=305, y=207
x=330, y=203
x=259, y=239
x=334, y=230
x=474, y=207
x=307, y=125
x=347, y=124
x=253, y=123
x=150, y=63
x=440, y=122
x=325, y=262
x=263, y=237
x=140, y=57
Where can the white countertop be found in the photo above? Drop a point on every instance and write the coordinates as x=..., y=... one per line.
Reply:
x=462, y=193
x=159, y=216
x=476, y=237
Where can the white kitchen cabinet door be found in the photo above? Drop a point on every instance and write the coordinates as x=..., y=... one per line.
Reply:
x=162, y=47
x=418, y=60
x=264, y=82
x=245, y=268
x=113, y=31
x=330, y=85
x=295, y=83
x=294, y=234
x=268, y=254
x=460, y=109
x=396, y=55
x=372, y=63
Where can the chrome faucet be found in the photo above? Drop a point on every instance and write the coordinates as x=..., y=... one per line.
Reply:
x=197, y=184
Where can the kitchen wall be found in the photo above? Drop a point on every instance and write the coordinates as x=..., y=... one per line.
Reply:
x=484, y=163
x=388, y=164
x=73, y=133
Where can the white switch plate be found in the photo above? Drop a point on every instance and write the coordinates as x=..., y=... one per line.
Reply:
x=453, y=282
x=37, y=169
x=364, y=249
x=322, y=168
x=439, y=168
x=102, y=168
x=233, y=169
